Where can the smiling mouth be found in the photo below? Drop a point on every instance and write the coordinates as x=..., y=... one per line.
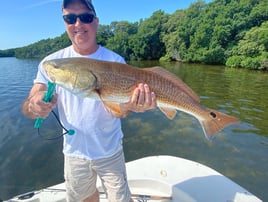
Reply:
x=80, y=32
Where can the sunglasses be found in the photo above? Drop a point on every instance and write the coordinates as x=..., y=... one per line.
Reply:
x=84, y=18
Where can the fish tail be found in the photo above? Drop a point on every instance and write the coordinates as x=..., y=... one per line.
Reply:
x=215, y=121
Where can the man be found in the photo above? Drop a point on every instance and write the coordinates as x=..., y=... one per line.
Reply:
x=96, y=147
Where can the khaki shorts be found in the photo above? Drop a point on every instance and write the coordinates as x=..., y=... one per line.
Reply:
x=81, y=176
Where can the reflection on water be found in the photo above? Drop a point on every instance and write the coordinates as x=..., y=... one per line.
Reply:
x=240, y=151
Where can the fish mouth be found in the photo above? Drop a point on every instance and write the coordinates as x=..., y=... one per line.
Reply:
x=49, y=63
x=50, y=68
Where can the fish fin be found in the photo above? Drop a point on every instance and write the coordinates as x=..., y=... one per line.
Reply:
x=170, y=113
x=163, y=72
x=216, y=121
x=112, y=106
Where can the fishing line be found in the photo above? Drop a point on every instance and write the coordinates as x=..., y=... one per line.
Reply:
x=38, y=122
x=67, y=132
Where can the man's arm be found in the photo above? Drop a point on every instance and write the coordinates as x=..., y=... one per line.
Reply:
x=34, y=106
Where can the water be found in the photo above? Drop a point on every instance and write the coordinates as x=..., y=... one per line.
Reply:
x=240, y=152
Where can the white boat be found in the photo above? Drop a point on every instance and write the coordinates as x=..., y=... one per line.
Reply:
x=163, y=178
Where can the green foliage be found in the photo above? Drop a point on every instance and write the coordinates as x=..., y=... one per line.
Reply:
x=7, y=53
x=252, y=49
x=104, y=33
x=210, y=33
x=39, y=49
x=121, y=34
x=230, y=32
x=263, y=60
x=147, y=43
x=235, y=61
x=43, y=47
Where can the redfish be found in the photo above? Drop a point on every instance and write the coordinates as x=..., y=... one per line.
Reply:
x=113, y=83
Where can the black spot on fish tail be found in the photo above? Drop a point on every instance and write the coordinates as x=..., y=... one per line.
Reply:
x=213, y=115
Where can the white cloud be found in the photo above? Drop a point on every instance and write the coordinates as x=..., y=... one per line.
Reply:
x=40, y=3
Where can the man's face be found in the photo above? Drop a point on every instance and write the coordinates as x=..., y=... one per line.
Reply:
x=82, y=35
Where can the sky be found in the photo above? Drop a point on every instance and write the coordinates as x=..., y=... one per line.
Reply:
x=24, y=22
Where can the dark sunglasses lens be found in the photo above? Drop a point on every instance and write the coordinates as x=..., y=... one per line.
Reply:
x=70, y=18
x=86, y=18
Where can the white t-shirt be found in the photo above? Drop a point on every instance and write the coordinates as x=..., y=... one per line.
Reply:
x=98, y=134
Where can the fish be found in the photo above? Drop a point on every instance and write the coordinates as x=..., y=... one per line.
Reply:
x=113, y=83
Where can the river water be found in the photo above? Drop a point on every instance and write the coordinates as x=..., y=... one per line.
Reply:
x=27, y=162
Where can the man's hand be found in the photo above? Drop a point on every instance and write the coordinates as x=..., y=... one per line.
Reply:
x=141, y=100
x=40, y=108
x=34, y=107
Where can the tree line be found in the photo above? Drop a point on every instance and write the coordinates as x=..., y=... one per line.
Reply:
x=225, y=32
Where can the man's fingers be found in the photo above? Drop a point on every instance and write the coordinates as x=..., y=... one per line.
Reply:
x=141, y=98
